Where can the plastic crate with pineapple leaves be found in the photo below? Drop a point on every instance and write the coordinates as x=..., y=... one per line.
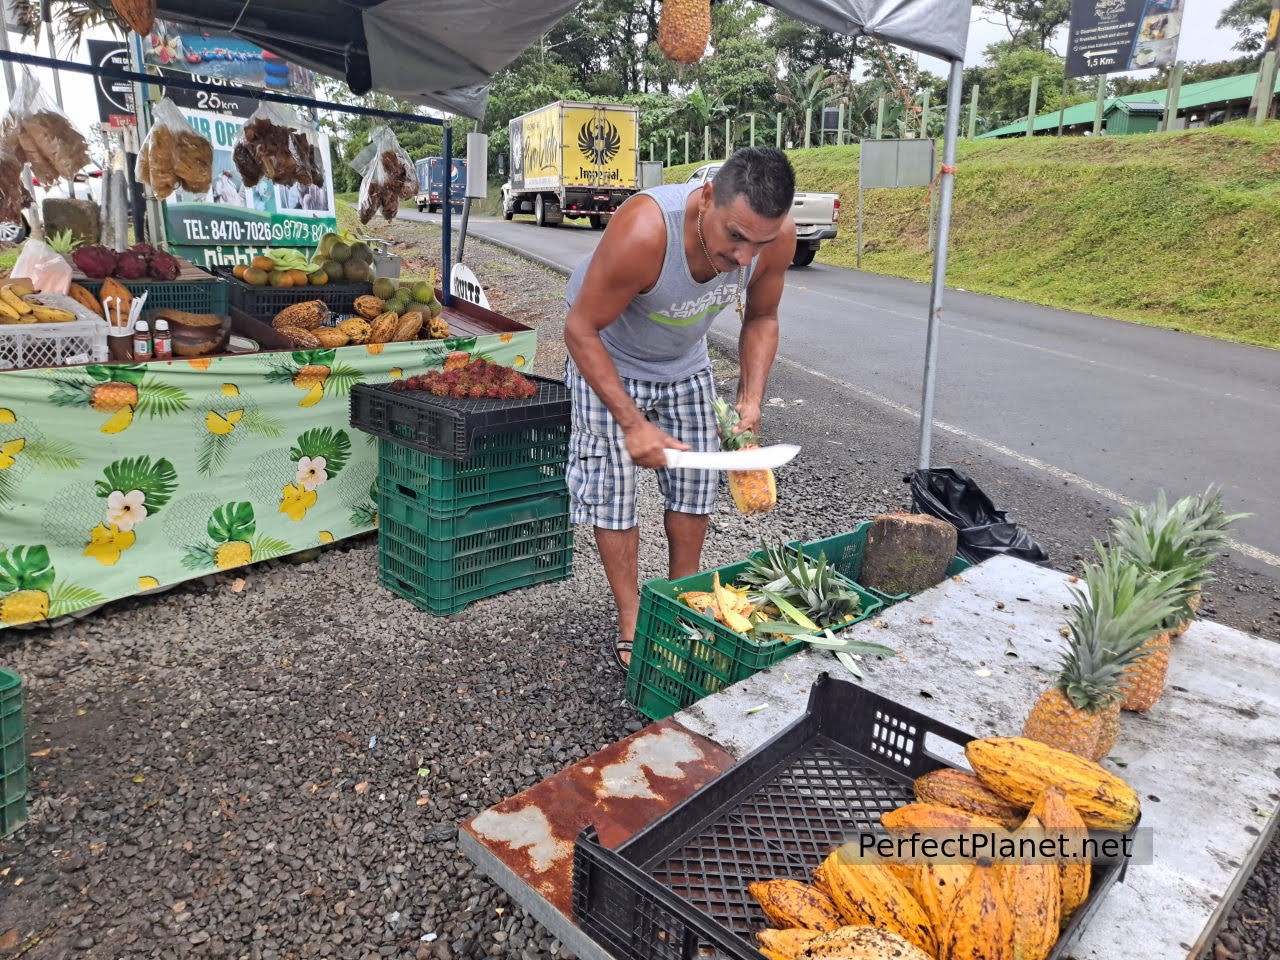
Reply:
x=13, y=756
x=845, y=551
x=681, y=655
x=27, y=345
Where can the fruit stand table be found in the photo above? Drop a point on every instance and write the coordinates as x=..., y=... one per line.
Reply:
x=118, y=479
x=975, y=651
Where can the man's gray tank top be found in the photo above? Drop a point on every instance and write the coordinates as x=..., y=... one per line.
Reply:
x=661, y=335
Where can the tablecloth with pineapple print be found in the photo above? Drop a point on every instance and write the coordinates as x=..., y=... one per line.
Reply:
x=117, y=479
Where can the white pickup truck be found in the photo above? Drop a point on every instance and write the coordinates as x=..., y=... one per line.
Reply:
x=815, y=214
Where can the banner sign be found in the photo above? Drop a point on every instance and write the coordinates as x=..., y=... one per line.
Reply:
x=115, y=97
x=224, y=61
x=232, y=214
x=1115, y=36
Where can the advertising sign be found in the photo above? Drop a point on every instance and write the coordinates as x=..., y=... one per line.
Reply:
x=599, y=147
x=232, y=214
x=115, y=97
x=1115, y=36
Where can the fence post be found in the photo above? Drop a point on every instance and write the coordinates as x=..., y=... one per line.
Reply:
x=973, y=111
x=1100, y=105
x=753, y=129
x=668, y=151
x=808, y=127
x=1175, y=91
x=706, y=142
x=1031, y=110
x=728, y=137
x=686, y=146
x=1266, y=87
x=840, y=127
x=924, y=116
x=778, y=142
x=879, y=117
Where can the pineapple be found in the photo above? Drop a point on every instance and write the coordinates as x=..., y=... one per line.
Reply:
x=684, y=29
x=1107, y=630
x=26, y=576
x=231, y=528
x=754, y=491
x=311, y=378
x=314, y=371
x=112, y=396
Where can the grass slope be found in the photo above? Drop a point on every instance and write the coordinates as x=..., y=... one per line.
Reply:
x=1176, y=230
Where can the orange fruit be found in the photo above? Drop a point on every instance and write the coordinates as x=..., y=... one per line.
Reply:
x=297, y=277
x=238, y=270
x=265, y=264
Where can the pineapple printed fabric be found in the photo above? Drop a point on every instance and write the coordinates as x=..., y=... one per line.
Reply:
x=115, y=479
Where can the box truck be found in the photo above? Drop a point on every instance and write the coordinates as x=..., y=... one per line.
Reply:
x=431, y=183
x=572, y=160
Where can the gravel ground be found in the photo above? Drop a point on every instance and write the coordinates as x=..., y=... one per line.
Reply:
x=279, y=772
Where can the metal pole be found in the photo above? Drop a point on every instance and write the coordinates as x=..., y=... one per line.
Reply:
x=446, y=219
x=1175, y=91
x=53, y=55
x=155, y=225
x=879, y=117
x=10, y=84
x=1031, y=107
x=1100, y=105
x=946, y=188
x=973, y=111
x=859, y=216
x=466, y=203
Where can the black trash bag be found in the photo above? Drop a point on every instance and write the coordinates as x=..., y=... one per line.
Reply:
x=982, y=530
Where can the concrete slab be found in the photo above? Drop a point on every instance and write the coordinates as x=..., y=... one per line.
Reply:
x=975, y=652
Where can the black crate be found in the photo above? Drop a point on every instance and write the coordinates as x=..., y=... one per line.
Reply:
x=266, y=302
x=445, y=427
x=677, y=890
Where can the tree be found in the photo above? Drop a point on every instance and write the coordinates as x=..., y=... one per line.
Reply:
x=1249, y=17
x=71, y=19
x=1006, y=82
x=805, y=95
x=1031, y=21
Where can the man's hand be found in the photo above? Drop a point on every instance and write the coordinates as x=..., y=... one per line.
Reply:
x=647, y=445
x=749, y=414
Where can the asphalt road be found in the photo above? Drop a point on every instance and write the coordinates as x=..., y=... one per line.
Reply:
x=1117, y=407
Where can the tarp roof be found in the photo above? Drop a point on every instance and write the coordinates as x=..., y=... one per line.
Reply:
x=442, y=53
x=1190, y=97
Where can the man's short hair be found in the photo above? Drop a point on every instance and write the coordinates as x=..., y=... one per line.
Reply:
x=761, y=174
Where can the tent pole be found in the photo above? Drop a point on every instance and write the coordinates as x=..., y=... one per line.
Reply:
x=446, y=218
x=945, y=189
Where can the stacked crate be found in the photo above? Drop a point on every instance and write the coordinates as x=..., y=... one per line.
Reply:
x=453, y=529
x=13, y=755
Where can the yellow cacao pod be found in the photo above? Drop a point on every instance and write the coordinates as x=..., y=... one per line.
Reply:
x=868, y=894
x=861, y=943
x=792, y=903
x=965, y=791
x=979, y=925
x=1058, y=817
x=1033, y=893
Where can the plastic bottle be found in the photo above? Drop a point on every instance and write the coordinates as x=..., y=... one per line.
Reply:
x=142, y=341
x=161, y=341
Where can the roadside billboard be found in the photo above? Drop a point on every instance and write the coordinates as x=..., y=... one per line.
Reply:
x=1115, y=36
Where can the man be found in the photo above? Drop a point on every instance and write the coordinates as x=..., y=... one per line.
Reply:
x=639, y=309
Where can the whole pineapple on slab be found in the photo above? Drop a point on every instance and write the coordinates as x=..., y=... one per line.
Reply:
x=1106, y=629
x=753, y=491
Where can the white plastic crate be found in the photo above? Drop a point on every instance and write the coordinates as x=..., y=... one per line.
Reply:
x=54, y=344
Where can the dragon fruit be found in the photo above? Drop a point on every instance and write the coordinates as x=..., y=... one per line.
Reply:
x=95, y=262
x=164, y=266
x=145, y=250
x=131, y=266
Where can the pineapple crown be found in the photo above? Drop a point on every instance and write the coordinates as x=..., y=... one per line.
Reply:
x=1125, y=605
x=727, y=419
x=1184, y=536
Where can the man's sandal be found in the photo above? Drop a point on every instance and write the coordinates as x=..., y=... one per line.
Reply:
x=620, y=647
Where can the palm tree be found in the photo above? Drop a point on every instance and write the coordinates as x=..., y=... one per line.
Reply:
x=811, y=91
x=71, y=19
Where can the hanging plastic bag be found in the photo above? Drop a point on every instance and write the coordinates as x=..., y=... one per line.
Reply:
x=174, y=155
x=982, y=530
x=48, y=270
x=387, y=175
x=35, y=131
x=274, y=145
x=13, y=195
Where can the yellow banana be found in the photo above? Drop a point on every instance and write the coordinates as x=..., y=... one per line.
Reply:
x=8, y=314
x=8, y=295
x=52, y=315
x=21, y=286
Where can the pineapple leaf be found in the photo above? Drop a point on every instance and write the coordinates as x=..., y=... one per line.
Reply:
x=67, y=597
x=280, y=375
x=342, y=377
x=213, y=452
x=199, y=557
x=158, y=399
x=318, y=358
x=122, y=373
x=232, y=521
x=262, y=424
x=264, y=547
x=70, y=393
x=53, y=454
x=157, y=481
x=333, y=445
x=363, y=515
x=8, y=487
x=463, y=344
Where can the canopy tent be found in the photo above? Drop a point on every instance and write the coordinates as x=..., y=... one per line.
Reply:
x=442, y=53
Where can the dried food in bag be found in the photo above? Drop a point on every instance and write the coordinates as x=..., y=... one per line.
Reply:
x=35, y=131
x=274, y=144
x=388, y=176
x=13, y=194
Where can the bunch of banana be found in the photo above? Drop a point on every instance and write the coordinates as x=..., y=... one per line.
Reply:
x=14, y=308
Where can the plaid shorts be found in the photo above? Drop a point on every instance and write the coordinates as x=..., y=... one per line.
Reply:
x=601, y=477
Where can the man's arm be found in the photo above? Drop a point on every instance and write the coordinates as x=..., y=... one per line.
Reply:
x=626, y=262
x=758, y=339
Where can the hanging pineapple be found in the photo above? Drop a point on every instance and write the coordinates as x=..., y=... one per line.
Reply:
x=1106, y=630
x=754, y=491
x=684, y=29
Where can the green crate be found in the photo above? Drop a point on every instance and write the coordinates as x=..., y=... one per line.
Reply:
x=844, y=551
x=671, y=670
x=402, y=570
x=502, y=466
x=487, y=537
x=207, y=296
x=13, y=757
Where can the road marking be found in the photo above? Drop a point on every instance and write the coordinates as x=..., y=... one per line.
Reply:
x=1256, y=553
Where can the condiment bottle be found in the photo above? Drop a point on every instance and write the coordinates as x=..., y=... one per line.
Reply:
x=162, y=342
x=141, y=341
